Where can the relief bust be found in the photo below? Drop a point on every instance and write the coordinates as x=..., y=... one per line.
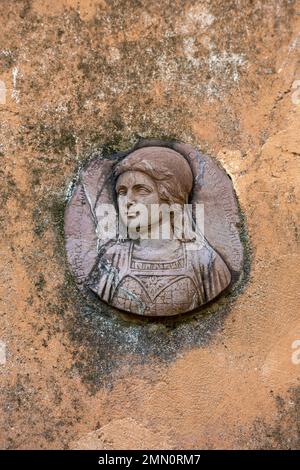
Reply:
x=176, y=270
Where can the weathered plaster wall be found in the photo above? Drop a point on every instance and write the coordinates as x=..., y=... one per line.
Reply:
x=77, y=75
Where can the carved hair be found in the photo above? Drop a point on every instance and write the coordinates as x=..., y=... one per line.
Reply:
x=171, y=188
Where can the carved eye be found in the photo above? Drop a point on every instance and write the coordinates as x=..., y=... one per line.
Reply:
x=121, y=191
x=143, y=190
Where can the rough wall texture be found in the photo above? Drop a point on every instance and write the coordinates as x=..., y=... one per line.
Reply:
x=82, y=75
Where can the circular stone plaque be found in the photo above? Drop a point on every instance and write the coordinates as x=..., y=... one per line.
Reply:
x=154, y=231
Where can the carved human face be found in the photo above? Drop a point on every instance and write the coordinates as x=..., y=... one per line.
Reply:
x=135, y=188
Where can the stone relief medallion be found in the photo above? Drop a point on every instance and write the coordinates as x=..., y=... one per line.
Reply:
x=154, y=231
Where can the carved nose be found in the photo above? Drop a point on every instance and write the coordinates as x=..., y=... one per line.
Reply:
x=130, y=199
